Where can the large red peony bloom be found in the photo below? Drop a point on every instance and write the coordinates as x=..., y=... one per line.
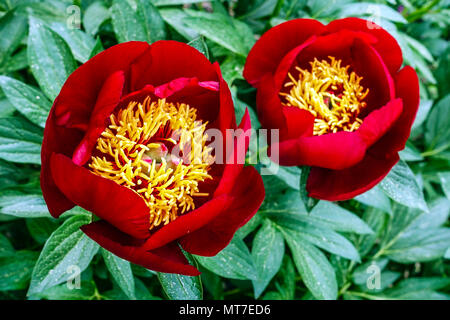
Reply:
x=339, y=98
x=109, y=145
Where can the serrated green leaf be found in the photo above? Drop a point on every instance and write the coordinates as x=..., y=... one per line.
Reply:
x=121, y=272
x=67, y=246
x=401, y=186
x=20, y=141
x=234, y=262
x=267, y=252
x=316, y=271
x=27, y=100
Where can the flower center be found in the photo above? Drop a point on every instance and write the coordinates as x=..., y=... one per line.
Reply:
x=157, y=149
x=332, y=95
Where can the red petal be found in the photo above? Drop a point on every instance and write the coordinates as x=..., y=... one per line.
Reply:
x=187, y=223
x=120, y=206
x=340, y=185
x=299, y=122
x=168, y=259
x=407, y=88
x=166, y=60
x=108, y=98
x=386, y=45
x=334, y=150
x=273, y=45
x=61, y=140
x=248, y=193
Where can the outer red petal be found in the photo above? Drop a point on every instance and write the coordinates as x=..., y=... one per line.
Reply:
x=168, y=259
x=248, y=193
x=108, y=98
x=273, y=45
x=166, y=60
x=386, y=45
x=339, y=185
x=120, y=206
x=407, y=88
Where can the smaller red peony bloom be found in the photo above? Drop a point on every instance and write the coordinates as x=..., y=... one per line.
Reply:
x=127, y=139
x=339, y=99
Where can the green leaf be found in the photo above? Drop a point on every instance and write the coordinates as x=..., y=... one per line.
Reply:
x=361, y=273
x=174, y=2
x=437, y=134
x=179, y=287
x=316, y=271
x=309, y=202
x=200, y=44
x=98, y=47
x=339, y=219
x=367, y=9
x=126, y=22
x=80, y=43
x=6, y=248
x=63, y=292
x=94, y=16
x=13, y=28
x=67, y=246
x=175, y=18
x=410, y=153
x=15, y=271
x=154, y=26
x=20, y=141
x=121, y=272
x=24, y=206
x=316, y=233
x=250, y=226
x=219, y=29
x=50, y=58
x=232, y=69
x=27, y=100
x=420, y=245
x=234, y=262
x=375, y=219
x=401, y=186
x=376, y=198
x=444, y=177
x=41, y=228
x=418, y=288
x=267, y=252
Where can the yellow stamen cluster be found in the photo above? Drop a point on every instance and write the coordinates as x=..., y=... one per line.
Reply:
x=132, y=152
x=330, y=93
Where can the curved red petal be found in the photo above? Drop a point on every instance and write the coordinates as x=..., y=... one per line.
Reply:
x=273, y=45
x=166, y=60
x=167, y=259
x=386, y=45
x=340, y=185
x=407, y=88
x=108, y=99
x=248, y=194
x=120, y=206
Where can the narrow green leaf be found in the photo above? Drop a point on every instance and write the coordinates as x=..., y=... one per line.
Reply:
x=267, y=252
x=24, y=206
x=234, y=262
x=179, y=287
x=316, y=271
x=94, y=16
x=27, y=100
x=20, y=141
x=67, y=246
x=309, y=202
x=50, y=58
x=126, y=22
x=154, y=26
x=121, y=272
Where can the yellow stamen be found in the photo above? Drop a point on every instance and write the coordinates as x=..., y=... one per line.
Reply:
x=133, y=152
x=332, y=95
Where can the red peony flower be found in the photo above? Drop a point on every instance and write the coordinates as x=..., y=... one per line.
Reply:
x=109, y=147
x=337, y=96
